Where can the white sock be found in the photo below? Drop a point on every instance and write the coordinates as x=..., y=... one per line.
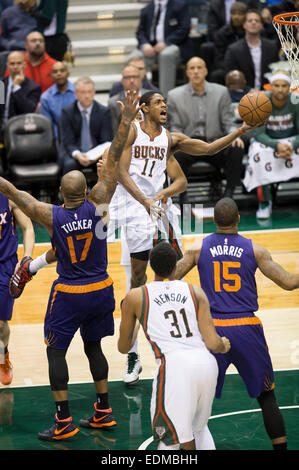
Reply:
x=134, y=348
x=204, y=439
x=38, y=263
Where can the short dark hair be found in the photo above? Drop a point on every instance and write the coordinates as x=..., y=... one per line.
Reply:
x=239, y=7
x=226, y=212
x=254, y=10
x=163, y=259
x=146, y=97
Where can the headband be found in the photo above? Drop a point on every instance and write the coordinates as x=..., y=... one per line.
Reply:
x=280, y=76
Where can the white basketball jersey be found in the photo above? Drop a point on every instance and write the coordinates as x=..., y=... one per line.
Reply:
x=169, y=317
x=149, y=159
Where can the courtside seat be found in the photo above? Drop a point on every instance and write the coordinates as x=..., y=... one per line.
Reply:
x=31, y=151
x=205, y=172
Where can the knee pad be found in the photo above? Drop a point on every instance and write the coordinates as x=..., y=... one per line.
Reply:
x=97, y=361
x=58, y=370
x=273, y=419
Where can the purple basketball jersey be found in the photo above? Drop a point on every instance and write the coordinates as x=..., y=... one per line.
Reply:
x=226, y=269
x=8, y=234
x=79, y=241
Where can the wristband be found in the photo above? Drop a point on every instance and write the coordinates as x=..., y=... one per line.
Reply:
x=240, y=130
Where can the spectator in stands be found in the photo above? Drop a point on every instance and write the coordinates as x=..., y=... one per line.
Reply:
x=131, y=80
x=38, y=62
x=5, y=4
x=51, y=20
x=58, y=96
x=83, y=125
x=286, y=6
x=163, y=38
x=236, y=84
x=228, y=34
x=219, y=14
x=140, y=63
x=203, y=110
x=253, y=54
x=21, y=94
x=16, y=23
x=273, y=155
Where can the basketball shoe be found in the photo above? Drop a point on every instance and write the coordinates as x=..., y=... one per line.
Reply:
x=131, y=376
x=61, y=429
x=100, y=419
x=6, y=371
x=20, y=278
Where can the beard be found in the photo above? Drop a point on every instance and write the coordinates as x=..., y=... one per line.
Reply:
x=37, y=54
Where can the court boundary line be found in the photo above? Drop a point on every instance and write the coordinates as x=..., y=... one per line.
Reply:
x=147, y=442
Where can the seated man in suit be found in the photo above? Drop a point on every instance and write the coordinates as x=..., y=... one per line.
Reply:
x=253, y=54
x=21, y=94
x=163, y=37
x=84, y=124
x=203, y=110
x=131, y=80
x=140, y=63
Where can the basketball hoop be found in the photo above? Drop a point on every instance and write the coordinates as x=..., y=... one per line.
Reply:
x=286, y=25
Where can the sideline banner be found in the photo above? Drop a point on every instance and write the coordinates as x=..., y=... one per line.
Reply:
x=264, y=167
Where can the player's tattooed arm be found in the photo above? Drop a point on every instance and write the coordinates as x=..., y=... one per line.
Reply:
x=189, y=260
x=273, y=270
x=36, y=210
x=103, y=191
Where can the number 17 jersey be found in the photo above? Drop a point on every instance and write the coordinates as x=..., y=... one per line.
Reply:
x=227, y=267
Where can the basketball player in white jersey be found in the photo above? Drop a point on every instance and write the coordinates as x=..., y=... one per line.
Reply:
x=176, y=320
x=148, y=155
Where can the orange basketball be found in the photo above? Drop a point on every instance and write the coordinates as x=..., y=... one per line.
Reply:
x=255, y=108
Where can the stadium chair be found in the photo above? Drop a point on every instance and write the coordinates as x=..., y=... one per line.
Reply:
x=31, y=152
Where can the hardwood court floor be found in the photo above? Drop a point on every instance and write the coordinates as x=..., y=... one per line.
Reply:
x=236, y=422
x=278, y=312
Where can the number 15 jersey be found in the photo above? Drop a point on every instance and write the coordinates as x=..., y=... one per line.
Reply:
x=227, y=267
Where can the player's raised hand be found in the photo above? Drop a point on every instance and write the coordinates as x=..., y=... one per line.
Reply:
x=131, y=108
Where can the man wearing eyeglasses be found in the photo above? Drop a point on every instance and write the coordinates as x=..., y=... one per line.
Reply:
x=131, y=80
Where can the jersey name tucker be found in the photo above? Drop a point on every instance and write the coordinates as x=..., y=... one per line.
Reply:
x=77, y=225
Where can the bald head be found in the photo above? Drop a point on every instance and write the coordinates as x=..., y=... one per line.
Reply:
x=196, y=71
x=226, y=213
x=15, y=63
x=73, y=186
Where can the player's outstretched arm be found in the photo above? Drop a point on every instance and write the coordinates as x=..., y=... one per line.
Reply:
x=188, y=261
x=103, y=191
x=27, y=228
x=273, y=270
x=199, y=147
x=39, y=211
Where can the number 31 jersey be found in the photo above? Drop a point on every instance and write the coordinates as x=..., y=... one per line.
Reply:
x=169, y=317
x=149, y=159
x=227, y=269
x=79, y=243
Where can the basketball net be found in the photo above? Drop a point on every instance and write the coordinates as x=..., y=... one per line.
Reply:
x=286, y=25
